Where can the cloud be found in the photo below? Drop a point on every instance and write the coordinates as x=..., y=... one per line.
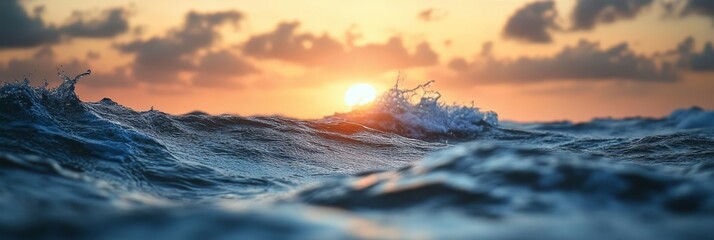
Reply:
x=431, y=14
x=162, y=59
x=20, y=30
x=533, y=22
x=284, y=44
x=112, y=23
x=699, y=7
x=217, y=69
x=589, y=13
x=703, y=61
x=692, y=60
x=43, y=65
x=536, y=21
x=372, y=58
x=157, y=60
x=585, y=61
x=310, y=50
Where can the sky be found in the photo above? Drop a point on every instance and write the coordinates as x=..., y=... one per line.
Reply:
x=526, y=60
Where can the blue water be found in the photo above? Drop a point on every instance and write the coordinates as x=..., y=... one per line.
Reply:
x=399, y=169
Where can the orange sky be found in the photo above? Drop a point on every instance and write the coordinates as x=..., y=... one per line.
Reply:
x=544, y=61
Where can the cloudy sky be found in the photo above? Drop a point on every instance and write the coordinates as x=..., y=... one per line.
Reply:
x=526, y=60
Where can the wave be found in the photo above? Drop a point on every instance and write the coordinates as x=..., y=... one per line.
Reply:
x=693, y=118
x=499, y=181
x=97, y=170
x=196, y=154
x=419, y=113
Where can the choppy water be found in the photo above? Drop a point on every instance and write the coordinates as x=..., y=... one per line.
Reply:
x=98, y=170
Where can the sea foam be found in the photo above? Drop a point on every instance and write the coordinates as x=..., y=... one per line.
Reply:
x=419, y=113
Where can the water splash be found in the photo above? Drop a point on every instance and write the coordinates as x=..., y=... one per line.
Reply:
x=419, y=113
x=66, y=89
x=63, y=92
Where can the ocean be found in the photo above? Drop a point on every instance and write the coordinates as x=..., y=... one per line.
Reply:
x=406, y=167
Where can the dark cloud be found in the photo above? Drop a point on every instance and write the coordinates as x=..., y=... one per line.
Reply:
x=161, y=59
x=43, y=65
x=307, y=49
x=536, y=21
x=220, y=69
x=703, y=61
x=284, y=44
x=20, y=30
x=112, y=22
x=589, y=13
x=533, y=23
x=431, y=14
x=690, y=59
x=164, y=59
x=699, y=7
x=158, y=60
x=585, y=61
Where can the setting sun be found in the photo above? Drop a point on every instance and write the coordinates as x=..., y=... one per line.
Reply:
x=360, y=94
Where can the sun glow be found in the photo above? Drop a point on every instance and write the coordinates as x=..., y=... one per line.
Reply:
x=360, y=94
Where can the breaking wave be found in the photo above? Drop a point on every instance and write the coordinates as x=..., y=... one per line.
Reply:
x=419, y=113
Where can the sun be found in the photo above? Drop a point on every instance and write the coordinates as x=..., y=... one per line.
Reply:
x=360, y=94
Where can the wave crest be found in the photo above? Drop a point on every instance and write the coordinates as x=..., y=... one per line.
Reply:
x=419, y=113
x=693, y=117
x=22, y=99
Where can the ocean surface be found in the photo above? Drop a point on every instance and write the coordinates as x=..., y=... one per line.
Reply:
x=406, y=167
